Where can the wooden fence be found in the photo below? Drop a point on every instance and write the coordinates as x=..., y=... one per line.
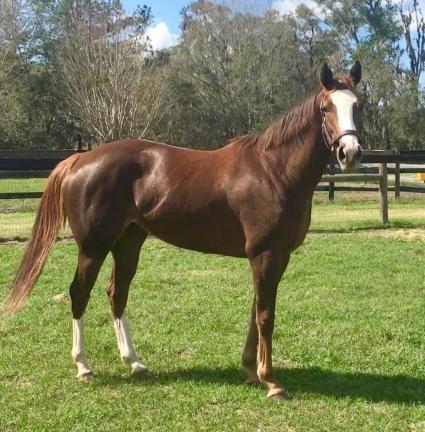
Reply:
x=28, y=164
x=401, y=162
x=39, y=163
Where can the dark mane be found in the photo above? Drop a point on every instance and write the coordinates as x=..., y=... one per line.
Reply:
x=289, y=126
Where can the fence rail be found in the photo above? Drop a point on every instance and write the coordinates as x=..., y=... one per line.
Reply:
x=39, y=163
x=405, y=157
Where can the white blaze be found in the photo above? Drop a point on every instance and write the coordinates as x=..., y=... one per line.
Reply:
x=344, y=101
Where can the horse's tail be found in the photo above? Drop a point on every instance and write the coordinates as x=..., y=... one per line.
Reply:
x=50, y=218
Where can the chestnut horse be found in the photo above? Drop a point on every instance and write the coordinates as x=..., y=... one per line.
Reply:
x=252, y=198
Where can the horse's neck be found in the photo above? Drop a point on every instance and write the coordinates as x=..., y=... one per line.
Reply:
x=301, y=162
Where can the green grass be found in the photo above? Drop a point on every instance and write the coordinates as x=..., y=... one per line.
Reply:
x=349, y=344
x=344, y=215
x=22, y=185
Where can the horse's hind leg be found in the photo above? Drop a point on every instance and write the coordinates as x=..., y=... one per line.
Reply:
x=89, y=264
x=126, y=257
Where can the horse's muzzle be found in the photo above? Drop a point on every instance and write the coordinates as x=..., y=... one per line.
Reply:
x=349, y=153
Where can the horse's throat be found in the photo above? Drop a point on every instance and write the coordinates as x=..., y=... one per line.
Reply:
x=302, y=163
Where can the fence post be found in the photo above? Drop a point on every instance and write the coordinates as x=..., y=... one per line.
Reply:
x=331, y=183
x=383, y=189
x=397, y=177
x=79, y=142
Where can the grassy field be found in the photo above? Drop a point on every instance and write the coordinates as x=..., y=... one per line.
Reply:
x=345, y=214
x=22, y=185
x=349, y=344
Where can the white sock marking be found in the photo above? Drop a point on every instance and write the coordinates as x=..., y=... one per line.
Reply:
x=125, y=345
x=78, y=352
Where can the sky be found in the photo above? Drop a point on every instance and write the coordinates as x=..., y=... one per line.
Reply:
x=164, y=31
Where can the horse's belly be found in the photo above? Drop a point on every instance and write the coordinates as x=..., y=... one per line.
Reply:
x=203, y=233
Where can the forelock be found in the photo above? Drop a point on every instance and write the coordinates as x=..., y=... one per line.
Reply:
x=345, y=82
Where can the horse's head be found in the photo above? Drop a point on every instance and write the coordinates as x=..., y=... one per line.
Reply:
x=341, y=109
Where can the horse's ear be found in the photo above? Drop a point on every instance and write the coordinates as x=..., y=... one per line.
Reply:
x=327, y=77
x=356, y=72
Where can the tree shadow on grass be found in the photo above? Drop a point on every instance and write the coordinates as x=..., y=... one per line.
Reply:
x=373, y=226
x=370, y=387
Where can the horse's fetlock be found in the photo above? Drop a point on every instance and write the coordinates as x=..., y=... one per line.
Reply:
x=78, y=357
x=127, y=357
x=265, y=374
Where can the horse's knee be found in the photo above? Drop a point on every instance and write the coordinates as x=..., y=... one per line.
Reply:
x=265, y=322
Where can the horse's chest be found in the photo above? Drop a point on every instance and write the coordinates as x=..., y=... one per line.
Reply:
x=298, y=223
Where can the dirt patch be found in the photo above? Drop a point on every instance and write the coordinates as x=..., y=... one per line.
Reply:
x=18, y=240
x=16, y=380
x=406, y=233
x=410, y=234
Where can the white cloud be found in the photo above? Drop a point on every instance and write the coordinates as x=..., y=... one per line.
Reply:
x=160, y=36
x=285, y=7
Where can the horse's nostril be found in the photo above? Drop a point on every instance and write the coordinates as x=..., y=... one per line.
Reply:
x=341, y=154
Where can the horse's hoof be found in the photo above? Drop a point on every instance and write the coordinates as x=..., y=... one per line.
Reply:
x=277, y=395
x=140, y=371
x=252, y=377
x=85, y=376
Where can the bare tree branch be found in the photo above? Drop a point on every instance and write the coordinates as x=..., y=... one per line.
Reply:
x=108, y=84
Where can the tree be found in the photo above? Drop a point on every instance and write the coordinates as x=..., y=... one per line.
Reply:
x=371, y=31
x=235, y=69
x=108, y=84
x=13, y=37
x=413, y=21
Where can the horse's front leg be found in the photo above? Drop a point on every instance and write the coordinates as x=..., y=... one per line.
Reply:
x=267, y=269
x=249, y=356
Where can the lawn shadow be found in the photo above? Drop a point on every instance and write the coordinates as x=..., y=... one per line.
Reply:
x=340, y=385
x=373, y=226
